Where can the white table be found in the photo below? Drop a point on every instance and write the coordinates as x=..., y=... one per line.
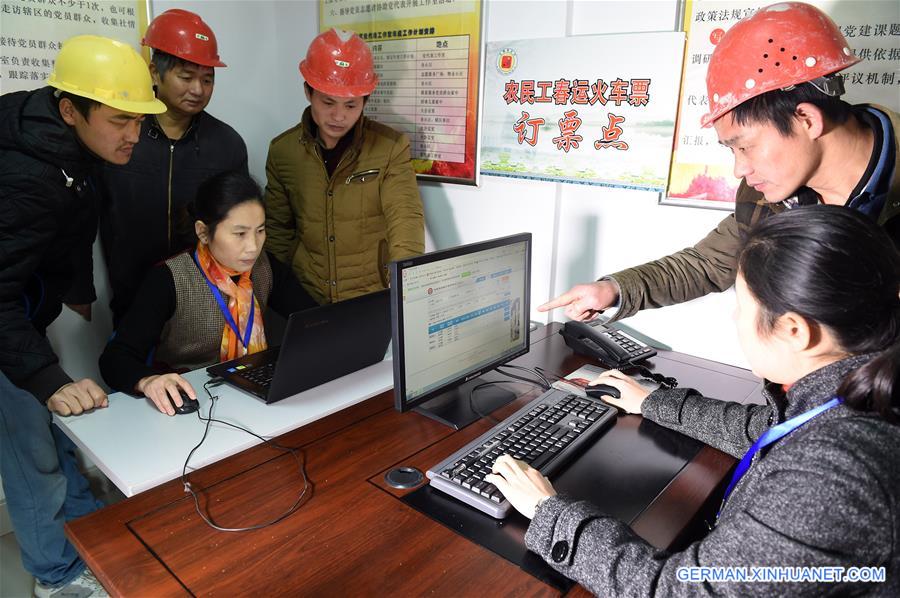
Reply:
x=137, y=447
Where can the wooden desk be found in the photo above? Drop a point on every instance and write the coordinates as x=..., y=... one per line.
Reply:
x=352, y=536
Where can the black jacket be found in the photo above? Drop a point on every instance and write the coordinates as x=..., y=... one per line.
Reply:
x=47, y=226
x=124, y=360
x=143, y=202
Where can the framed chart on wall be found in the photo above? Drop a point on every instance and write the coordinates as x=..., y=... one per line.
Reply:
x=428, y=58
x=702, y=170
x=34, y=31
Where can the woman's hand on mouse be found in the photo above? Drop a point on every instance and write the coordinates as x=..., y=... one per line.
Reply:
x=632, y=393
x=159, y=388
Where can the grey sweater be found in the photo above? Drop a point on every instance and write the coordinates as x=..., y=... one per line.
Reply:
x=825, y=495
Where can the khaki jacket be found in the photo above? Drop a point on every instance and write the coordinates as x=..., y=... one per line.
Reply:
x=340, y=233
x=711, y=265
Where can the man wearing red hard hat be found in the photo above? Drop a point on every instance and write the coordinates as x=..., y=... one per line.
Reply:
x=179, y=150
x=341, y=198
x=774, y=96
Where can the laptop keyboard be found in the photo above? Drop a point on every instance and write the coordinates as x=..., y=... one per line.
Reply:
x=261, y=375
x=547, y=434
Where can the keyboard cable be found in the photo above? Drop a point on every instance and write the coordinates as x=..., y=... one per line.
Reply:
x=544, y=385
x=544, y=380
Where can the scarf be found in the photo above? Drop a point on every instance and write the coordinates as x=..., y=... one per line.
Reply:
x=240, y=300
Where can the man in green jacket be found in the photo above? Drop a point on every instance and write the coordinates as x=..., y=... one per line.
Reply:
x=775, y=102
x=341, y=196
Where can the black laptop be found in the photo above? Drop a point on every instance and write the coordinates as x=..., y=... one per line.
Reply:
x=320, y=344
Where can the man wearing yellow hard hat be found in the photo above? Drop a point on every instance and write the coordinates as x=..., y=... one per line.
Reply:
x=50, y=140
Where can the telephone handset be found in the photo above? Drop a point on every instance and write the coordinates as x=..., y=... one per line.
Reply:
x=612, y=347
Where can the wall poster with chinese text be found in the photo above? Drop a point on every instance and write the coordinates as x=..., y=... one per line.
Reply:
x=593, y=109
x=34, y=30
x=702, y=170
x=428, y=60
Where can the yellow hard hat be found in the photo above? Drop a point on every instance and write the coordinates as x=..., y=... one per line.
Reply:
x=107, y=71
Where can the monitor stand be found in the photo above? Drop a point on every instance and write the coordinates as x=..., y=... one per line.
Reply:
x=455, y=409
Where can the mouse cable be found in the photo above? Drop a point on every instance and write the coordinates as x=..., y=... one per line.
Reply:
x=548, y=375
x=189, y=488
x=667, y=382
x=545, y=384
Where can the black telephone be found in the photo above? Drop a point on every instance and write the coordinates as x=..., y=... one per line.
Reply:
x=612, y=347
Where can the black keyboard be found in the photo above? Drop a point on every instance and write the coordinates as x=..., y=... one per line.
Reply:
x=547, y=433
x=261, y=375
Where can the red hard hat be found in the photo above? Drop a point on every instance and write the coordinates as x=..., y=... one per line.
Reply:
x=183, y=34
x=779, y=46
x=339, y=63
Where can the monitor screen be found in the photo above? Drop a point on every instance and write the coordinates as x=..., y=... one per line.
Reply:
x=457, y=313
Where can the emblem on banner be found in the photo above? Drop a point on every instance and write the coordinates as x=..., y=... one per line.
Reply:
x=507, y=61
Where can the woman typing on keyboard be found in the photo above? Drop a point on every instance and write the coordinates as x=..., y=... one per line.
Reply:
x=203, y=306
x=818, y=315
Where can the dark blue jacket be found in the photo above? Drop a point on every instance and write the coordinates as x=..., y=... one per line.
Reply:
x=144, y=201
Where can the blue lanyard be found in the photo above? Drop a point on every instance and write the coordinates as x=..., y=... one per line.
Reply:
x=773, y=434
x=224, y=307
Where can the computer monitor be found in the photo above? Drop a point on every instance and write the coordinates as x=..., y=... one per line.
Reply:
x=457, y=314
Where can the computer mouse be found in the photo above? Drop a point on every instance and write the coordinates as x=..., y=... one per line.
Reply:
x=188, y=405
x=599, y=391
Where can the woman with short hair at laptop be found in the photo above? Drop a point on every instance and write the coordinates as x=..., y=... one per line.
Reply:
x=204, y=306
x=818, y=315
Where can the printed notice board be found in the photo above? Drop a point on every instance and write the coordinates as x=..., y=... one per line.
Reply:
x=34, y=30
x=428, y=60
x=592, y=109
